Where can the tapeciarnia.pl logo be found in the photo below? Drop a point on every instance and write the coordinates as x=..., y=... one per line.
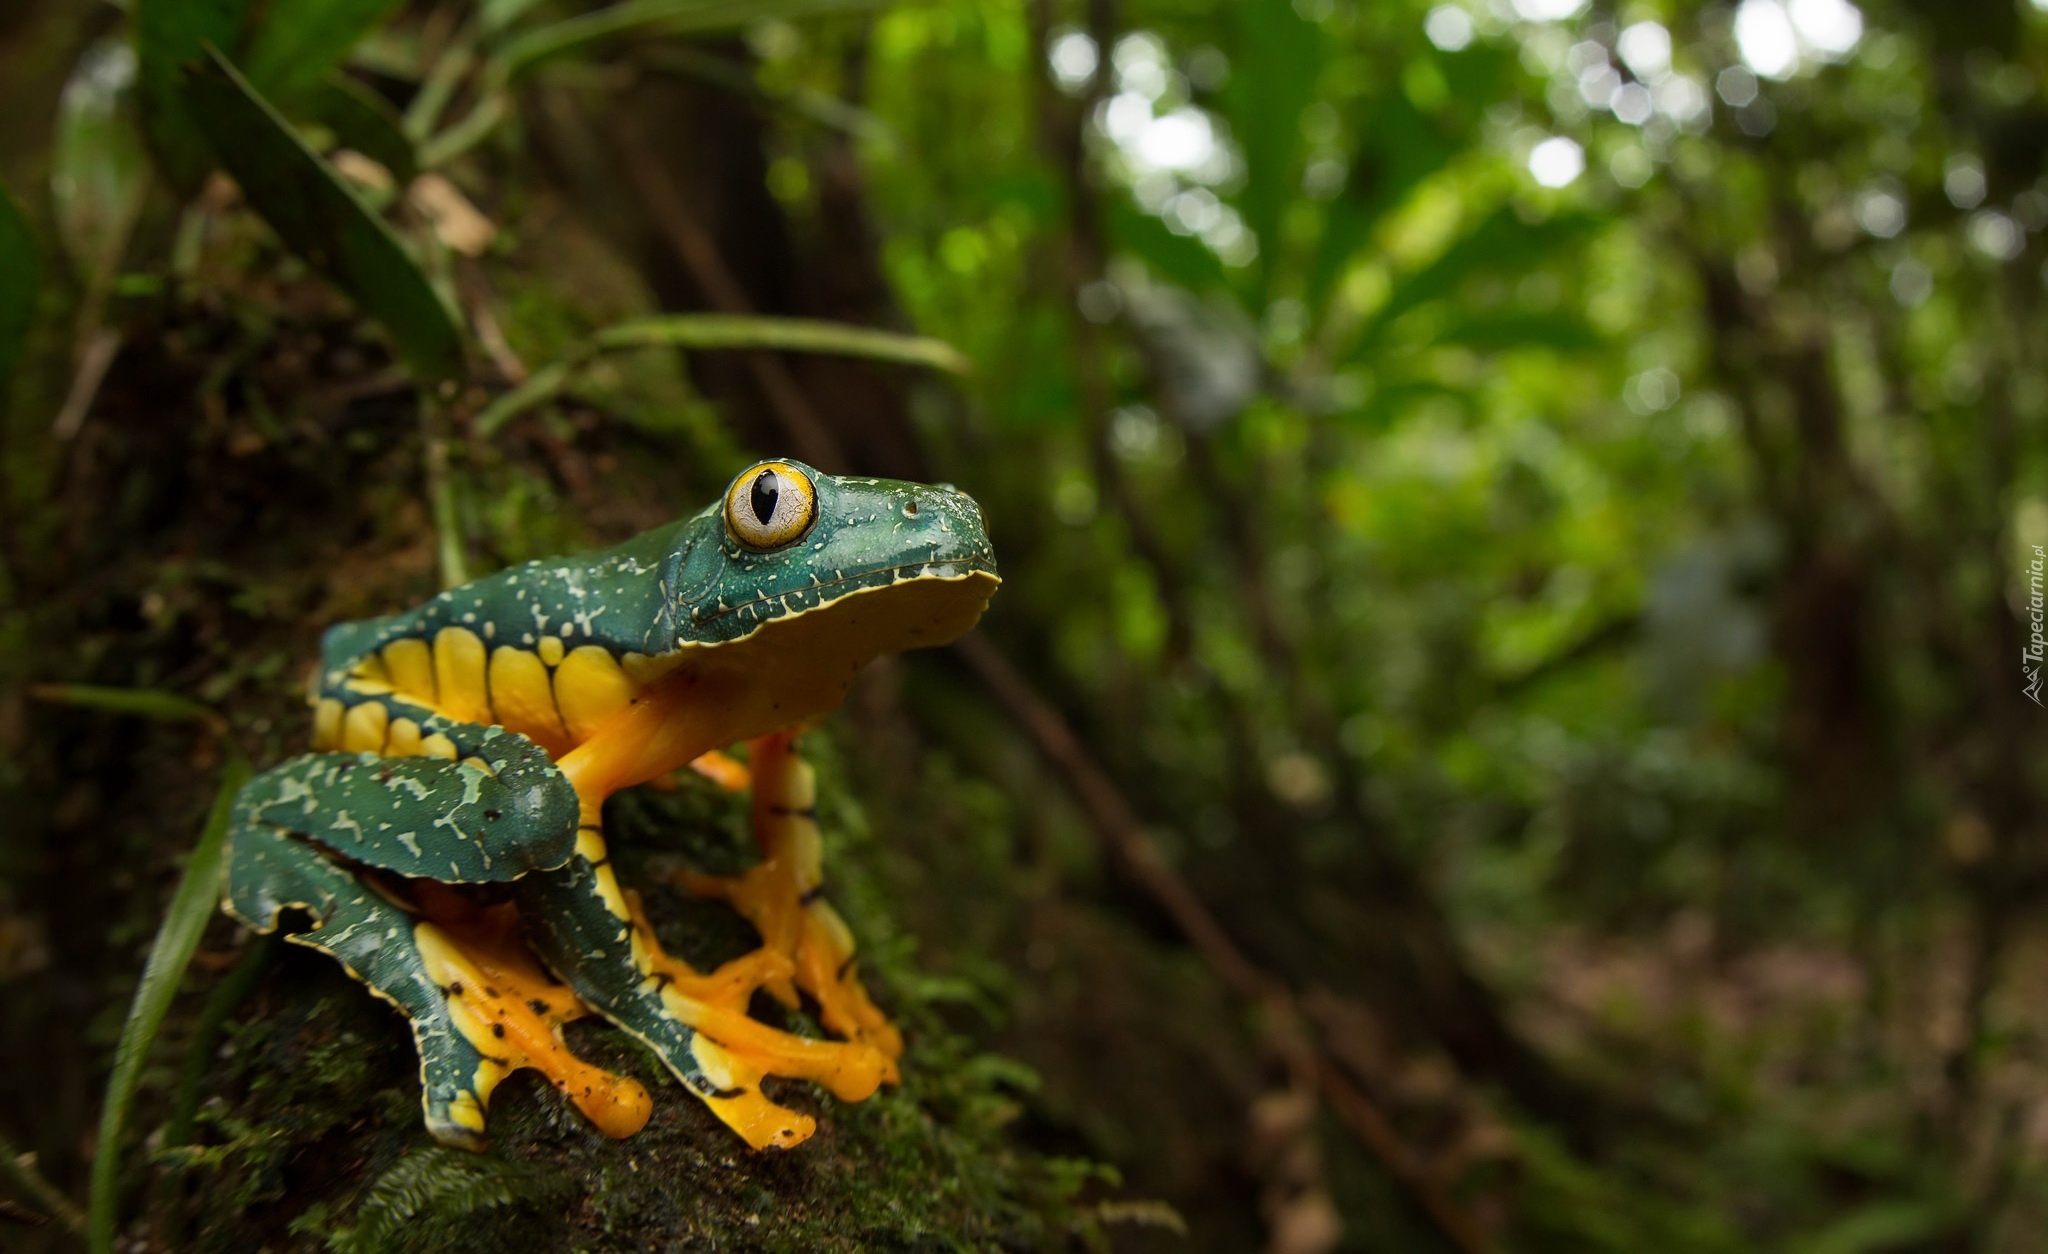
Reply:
x=2037, y=646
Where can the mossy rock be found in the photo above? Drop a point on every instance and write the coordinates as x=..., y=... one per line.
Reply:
x=309, y=1136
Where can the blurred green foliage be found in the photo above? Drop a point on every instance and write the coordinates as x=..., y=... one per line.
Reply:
x=1532, y=505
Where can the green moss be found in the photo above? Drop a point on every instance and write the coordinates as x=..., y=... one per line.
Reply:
x=311, y=1135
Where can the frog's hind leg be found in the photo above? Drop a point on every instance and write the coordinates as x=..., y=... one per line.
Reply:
x=463, y=989
x=783, y=896
x=595, y=936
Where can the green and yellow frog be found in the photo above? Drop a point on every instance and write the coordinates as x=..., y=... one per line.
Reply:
x=473, y=740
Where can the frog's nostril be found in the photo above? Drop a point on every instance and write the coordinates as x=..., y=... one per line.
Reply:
x=910, y=510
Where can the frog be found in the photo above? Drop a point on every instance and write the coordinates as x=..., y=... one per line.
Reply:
x=444, y=838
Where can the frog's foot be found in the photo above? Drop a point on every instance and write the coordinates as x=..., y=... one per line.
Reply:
x=816, y=949
x=511, y=1011
x=596, y=937
x=715, y=1005
x=784, y=898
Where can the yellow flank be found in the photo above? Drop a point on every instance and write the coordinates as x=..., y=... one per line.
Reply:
x=411, y=665
x=438, y=746
x=404, y=741
x=326, y=725
x=522, y=701
x=590, y=688
x=459, y=676
x=363, y=728
x=372, y=669
x=550, y=650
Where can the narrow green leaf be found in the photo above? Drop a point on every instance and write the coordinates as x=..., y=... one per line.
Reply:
x=723, y=331
x=542, y=386
x=320, y=217
x=363, y=120
x=301, y=40
x=1273, y=76
x=1888, y=1224
x=20, y=281
x=816, y=106
x=1559, y=332
x=1399, y=147
x=1179, y=259
x=1502, y=240
x=496, y=15
x=141, y=702
x=803, y=335
x=663, y=17
x=197, y=897
x=98, y=167
x=230, y=993
x=171, y=35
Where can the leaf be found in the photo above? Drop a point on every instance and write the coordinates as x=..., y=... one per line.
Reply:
x=1388, y=402
x=496, y=15
x=363, y=120
x=299, y=41
x=1558, y=331
x=320, y=217
x=230, y=993
x=1179, y=259
x=657, y=17
x=434, y=1190
x=20, y=281
x=1905, y=1223
x=197, y=897
x=804, y=335
x=171, y=35
x=1271, y=82
x=722, y=331
x=542, y=386
x=142, y=702
x=1502, y=240
x=99, y=170
x=1398, y=147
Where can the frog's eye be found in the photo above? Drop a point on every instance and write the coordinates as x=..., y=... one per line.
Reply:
x=770, y=506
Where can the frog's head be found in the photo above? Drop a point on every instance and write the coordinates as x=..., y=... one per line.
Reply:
x=806, y=577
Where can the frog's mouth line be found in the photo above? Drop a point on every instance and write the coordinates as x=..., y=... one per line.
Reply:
x=968, y=568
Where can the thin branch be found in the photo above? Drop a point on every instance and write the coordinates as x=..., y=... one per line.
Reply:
x=99, y=354
x=1119, y=826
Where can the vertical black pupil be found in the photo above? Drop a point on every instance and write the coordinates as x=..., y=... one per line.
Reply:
x=767, y=487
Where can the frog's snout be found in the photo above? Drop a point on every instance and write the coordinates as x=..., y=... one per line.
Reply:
x=943, y=524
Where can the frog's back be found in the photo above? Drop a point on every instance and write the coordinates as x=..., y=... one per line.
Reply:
x=547, y=648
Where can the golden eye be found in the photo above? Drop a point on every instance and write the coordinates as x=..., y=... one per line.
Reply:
x=770, y=506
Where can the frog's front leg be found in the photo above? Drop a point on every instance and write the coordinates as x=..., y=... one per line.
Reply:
x=784, y=898
x=480, y=1008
